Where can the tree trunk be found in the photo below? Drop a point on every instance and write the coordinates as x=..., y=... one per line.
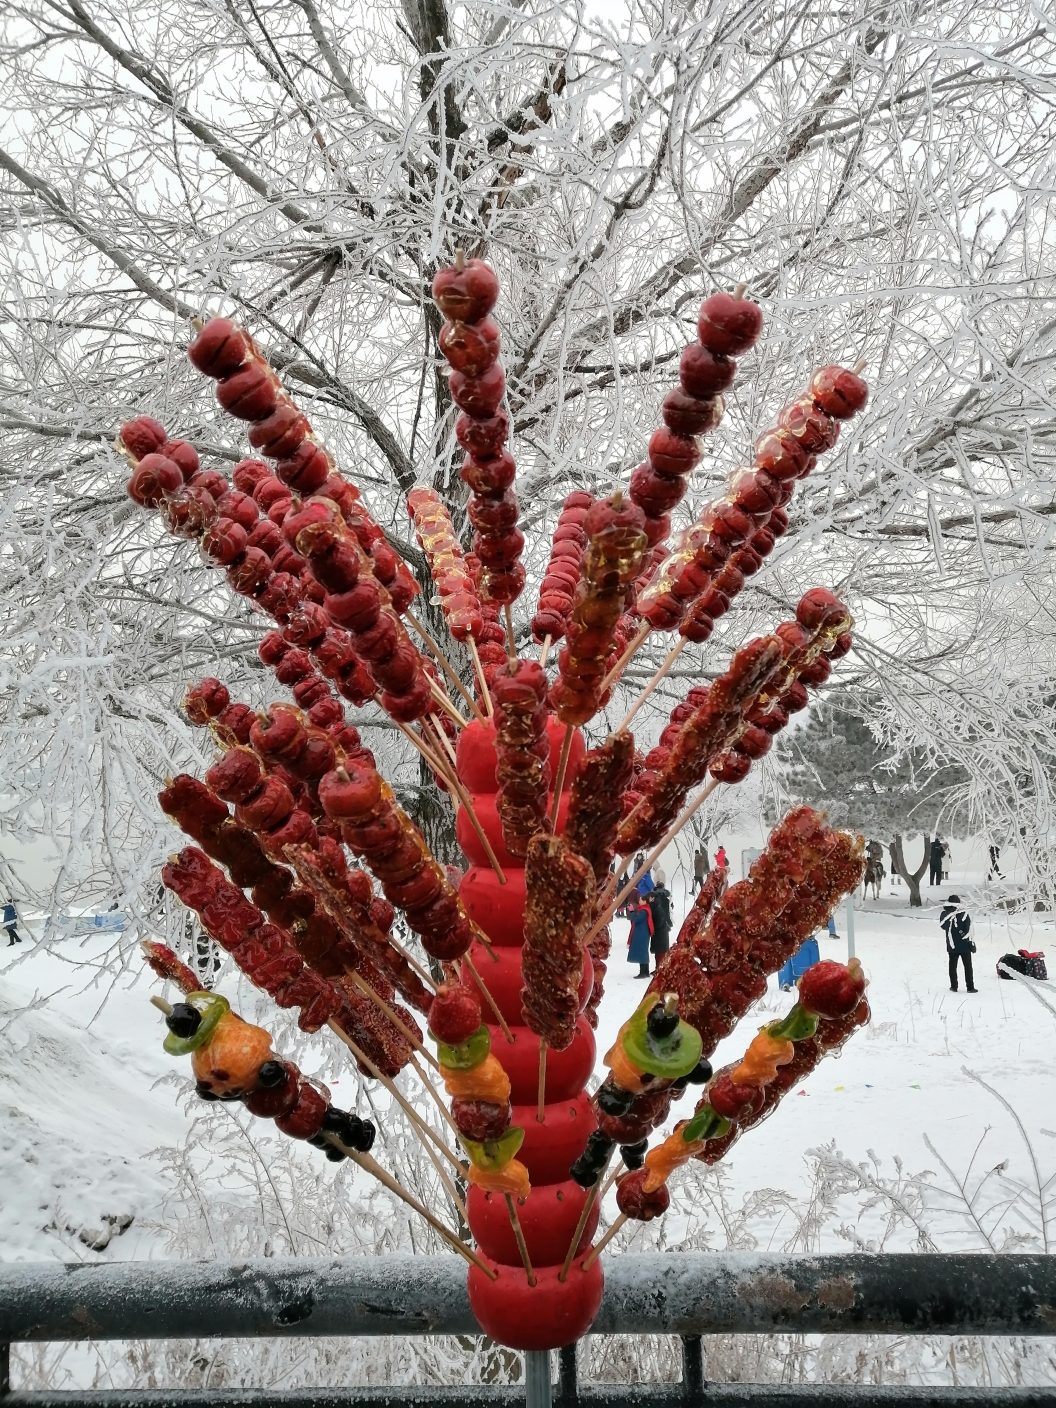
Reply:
x=912, y=878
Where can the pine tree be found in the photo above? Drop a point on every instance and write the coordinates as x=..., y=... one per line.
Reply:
x=836, y=761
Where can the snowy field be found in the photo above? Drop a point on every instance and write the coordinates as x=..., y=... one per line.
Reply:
x=898, y=1144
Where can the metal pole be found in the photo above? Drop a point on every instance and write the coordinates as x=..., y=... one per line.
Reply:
x=537, y=1388
x=850, y=926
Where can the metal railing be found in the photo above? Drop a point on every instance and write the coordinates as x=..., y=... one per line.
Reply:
x=688, y=1295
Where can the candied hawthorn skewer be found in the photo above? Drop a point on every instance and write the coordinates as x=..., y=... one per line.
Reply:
x=726, y=326
x=233, y=1060
x=358, y=602
x=611, y=562
x=268, y=956
x=522, y=750
x=562, y=573
x=560, y=898
x=447, y=564
x=466, y=292
x=479, y=1090
x=695, y=584
x=377, y=830
x=251, y=391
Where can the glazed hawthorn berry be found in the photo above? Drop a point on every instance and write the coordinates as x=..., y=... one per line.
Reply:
x=839, y=392
x=832, y=989
x=219, y=349
x=479, y=396
x=686, y=415
x=731, y=768
x=818, y=607
x=480, y=1119
x=704, y=375
x=183, y=454
x=351, y=791
x=306, y=470
x=205, y=700
x=729, y=325
x=470, y=347
x=250, y=393
x=455, y=1013
x=142, y=436
x=247, y=474
x=153, y=478
x=732, y=1101
x=482, y=438
x=634, y=1202
x=466, y=291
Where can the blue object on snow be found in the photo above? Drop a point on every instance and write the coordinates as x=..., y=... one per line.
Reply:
x=798, y=964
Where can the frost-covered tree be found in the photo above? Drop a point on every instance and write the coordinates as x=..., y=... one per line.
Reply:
x=880, y=176
x=837, y=762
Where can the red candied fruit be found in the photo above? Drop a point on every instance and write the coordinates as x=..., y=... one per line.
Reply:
x=634, y=1202
x=142, y=436
x=455, y=1013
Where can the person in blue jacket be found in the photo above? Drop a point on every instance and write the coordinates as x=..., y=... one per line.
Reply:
x=10, y=921
x=640, y=915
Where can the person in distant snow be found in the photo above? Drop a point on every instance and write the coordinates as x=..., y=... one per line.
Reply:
x=700, y=867
x=638, y=939
x=10, y=921
x=659, y=902
x=938, y=850
x=720, y=858
x=957, y=925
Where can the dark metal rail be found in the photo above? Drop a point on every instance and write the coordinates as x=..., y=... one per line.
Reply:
x=686, y=1295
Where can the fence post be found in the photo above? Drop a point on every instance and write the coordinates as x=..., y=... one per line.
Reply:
x=537, y=1386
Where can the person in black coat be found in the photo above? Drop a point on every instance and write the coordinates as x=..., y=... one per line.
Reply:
x=935, y=858
x=659, y=902
x=957, y=926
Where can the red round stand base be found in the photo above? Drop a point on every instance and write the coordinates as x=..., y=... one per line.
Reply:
x=548, y=1218
x=548, y=1315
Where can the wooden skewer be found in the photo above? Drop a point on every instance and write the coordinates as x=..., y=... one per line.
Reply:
x=540, y=1113
x=595, y=1252
x=437, y=1098
x=445, y=703
x=427, y=978
x=485, y=692
x=621, y=664
x=739, y=291
x=511, y=650
x=515, y=1222
x=860, y=365
x=427, y=753
x=371, y=1165
x=383, y=1006
x=451, y=778
x=442, y=738
x=650, y=860
x=445, y=665
x=559, y=780
x=611, y=1179
x=673, y=655
x=545, y=651
x=161, y=1004
x=592, y=1198
x=488, y=997
x=408, y=1109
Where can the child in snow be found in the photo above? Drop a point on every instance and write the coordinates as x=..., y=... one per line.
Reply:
x=957, y=925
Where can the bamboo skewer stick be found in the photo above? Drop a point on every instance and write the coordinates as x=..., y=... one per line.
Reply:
x=408, y=1109
x=427, y=753
x=511, y=650
x=673, y=655
x=445, y=664
x=595, y=1252
x=161, y=1004
x=622, y=663
x=522, y=1246
x=427, y=978
x=443, y=739
x=592, y=1198
x=540, y=1113
x=451, y=778
x=488, y=997
x=545, y=651
x=445, y=703
x=371, y=1166
x=650, y=860
x=611, y=1179
x=436, y=1097
x=485, y=692
x=384, y=1007
x=860, y=365
x=559, y=780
